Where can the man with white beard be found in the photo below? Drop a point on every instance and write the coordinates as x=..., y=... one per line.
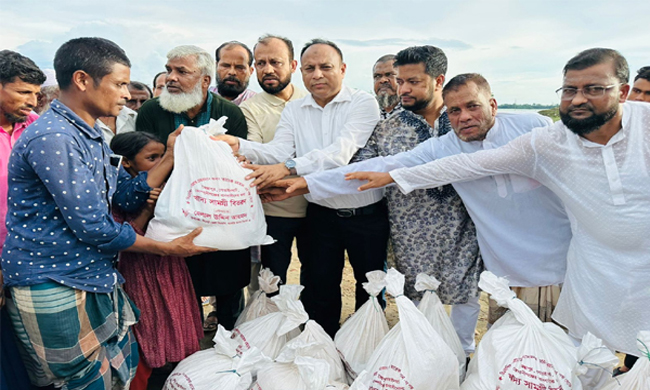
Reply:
x=385, y=84
x=185, y=100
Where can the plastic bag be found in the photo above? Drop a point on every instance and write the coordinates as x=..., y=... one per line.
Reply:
x=260, y=304
x=638, y=378
x=360, y=335
x=434, y=311
x=519, y=351
x=216, y=368
x=412, y=355
x=303, y=373
x=596, y=363
x=271, y=332
x=314, y=342
x=207, y=189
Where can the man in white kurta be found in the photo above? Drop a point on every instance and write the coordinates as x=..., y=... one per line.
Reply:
x=597, y=160
x=522, y=228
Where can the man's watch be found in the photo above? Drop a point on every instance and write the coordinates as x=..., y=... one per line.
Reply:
x=291, y=166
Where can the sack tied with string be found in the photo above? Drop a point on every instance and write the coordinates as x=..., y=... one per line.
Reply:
x=207, y=189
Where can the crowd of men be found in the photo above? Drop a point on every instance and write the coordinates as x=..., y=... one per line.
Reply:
x=560, y=209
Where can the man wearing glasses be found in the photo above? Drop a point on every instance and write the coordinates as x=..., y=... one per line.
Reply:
x=597, y=161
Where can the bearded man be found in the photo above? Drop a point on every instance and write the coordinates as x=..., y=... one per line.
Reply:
x=186, y=101
x=385, y=83
x=234, y=70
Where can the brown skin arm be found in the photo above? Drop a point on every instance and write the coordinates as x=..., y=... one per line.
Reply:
x=158, y=174
x=181, y=247
x=374, y=179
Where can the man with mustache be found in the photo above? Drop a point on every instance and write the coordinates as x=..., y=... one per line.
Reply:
x=275, y=64
x=187, y=101
x=322, y=131
x=596, y=160
x=20, y=85
x=383, y=76
x=234, y=70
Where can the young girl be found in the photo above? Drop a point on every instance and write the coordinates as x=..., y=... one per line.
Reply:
x=169, y=328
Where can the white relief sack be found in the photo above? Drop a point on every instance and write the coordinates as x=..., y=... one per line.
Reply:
x=595, y=364
x=412, y=355
x=433, y=309
x=219, y=367
x=520, y=351
x=638, y=378
x=271, y=332
x=207, y=189
x=303, y=373
x=260, y=304
x=360, y=335
x=314, y=334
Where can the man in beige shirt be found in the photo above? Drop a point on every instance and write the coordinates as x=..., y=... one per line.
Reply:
x=274, y=64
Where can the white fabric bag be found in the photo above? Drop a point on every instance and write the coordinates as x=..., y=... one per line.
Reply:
x=271, y=332
x=412, y=355
x=638, y=378
x=360, y=335
x=207, y=189
x=260, y=304
x=596, y=363
x=216, y=368
x=313, y=334
x=433, y=309
x=520, y=351
x=303, y=373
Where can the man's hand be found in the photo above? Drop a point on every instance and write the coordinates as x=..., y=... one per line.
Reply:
x=266, y=175
x=375, y=179
x=229, y=139
x=297, y=184
x=171, y=140
x=284, y=189
x=184, y=246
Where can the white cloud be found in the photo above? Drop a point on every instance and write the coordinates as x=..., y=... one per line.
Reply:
x=520, y=46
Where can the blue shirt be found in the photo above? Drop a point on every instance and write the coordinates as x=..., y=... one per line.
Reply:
x=61, y=183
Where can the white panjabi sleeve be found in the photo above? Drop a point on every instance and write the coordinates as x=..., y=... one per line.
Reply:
x=518, y=157
x=332, y=182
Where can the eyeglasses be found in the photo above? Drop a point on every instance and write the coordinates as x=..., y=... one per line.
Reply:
x=590, y=92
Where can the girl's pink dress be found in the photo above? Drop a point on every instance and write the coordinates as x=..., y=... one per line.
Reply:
x=170, y=327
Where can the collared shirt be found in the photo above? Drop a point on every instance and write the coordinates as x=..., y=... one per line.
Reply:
x=7, y=142
x=606, y=191
x=61, y=184
x=262, y=113
x=124, y=123
x=247, y=94
x=522, y=228
x=321, y=138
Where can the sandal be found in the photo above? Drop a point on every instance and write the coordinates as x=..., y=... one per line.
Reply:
x=210, y=323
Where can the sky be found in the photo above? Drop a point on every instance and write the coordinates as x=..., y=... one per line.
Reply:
x=520, y=46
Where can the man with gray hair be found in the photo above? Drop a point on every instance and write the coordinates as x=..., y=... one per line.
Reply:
x=185, y=100
x=385, y=84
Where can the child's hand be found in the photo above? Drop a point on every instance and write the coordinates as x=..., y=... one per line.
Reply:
x=153, y=198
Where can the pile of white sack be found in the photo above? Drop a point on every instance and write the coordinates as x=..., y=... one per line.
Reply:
x=275, y=346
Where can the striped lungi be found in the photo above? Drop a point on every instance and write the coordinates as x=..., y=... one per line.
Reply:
x=75, y=338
